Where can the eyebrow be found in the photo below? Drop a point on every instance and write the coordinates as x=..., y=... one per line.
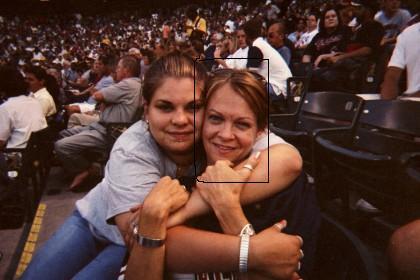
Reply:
x=240, y=118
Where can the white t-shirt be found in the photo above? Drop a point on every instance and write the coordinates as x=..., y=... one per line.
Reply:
x=407, y=55
x=306, y=38
x=19, y=117
x=239, y=59
x=46, y=101
x=275, y=70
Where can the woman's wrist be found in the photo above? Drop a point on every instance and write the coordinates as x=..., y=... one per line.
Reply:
x=232, y=219
x=152, y=222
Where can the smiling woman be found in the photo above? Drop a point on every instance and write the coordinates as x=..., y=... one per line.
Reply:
x=230, y=134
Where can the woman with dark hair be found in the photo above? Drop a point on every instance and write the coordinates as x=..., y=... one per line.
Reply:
x=330, y=41
x=38, y=81
x=20, y=115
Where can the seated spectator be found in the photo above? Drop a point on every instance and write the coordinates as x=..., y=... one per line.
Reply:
x=330, y=41
x=404, y=252
x=393, y=19
x=215, y=39
x=20, y=115
x=276, y=37
x=260, y=49
x=119, y=102
x=37, y=79
x=311, y=31
x=343, y=69
x=238, y=60
x=405, y=56
x=300, y=29
x=103, y=67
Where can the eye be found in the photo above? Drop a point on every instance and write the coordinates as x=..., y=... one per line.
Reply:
x=243, y=125
x=215, y=119
x=164, y=107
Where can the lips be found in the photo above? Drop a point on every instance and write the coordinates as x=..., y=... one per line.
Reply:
x=180, y=135
x=223, y=149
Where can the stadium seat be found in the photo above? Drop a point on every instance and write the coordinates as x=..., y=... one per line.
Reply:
x=372, y=158
x=341, y=255
x=316, y=111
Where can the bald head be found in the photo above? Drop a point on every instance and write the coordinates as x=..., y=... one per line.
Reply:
x=276, y=34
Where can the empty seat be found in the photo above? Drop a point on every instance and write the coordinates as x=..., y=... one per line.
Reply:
x=367, y=159
x=317, y=110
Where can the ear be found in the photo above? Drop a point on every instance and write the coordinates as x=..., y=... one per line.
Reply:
x=145, y=110
x=261, y=132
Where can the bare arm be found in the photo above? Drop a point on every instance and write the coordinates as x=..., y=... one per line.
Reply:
x=98, y=96
x=389, y=89
x=285, y=165
x=363, y=51
x=148, y=263
x=306, y=58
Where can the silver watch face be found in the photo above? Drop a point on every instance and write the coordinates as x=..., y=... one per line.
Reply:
x=248, y=230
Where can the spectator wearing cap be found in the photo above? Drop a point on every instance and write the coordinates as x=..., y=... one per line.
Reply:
x=405, y=56
x=276, y=38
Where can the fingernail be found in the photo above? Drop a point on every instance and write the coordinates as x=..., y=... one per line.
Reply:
x=284, y=223
x=257, y=155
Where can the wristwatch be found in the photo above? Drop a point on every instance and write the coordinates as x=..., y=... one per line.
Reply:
x=247, y=230
x=146, y=241
x=245, y=234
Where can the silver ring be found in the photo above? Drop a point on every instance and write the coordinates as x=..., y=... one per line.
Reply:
x=299, y=265
x=279, y=226
x=185, y=188
x=300, y=239
x=301, y=253
x=249, y=167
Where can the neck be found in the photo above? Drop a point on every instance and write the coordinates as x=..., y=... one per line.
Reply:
x=182, y=160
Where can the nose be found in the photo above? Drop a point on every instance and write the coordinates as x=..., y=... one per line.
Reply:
x=180, y=118
x=226, y=132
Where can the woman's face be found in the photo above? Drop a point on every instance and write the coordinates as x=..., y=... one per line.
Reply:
x=330, y=19
x=229, y=127
x=171, y=117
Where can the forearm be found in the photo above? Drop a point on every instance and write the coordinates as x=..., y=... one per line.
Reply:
x=363, y=51
x=217, y=252
x=148, y=263
x=277, y=169
x=285, y=165
x=306, y=58
x=389, y=88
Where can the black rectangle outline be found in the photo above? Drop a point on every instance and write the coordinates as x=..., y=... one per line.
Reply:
x=268, y=119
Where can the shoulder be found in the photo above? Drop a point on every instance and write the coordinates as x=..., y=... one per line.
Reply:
x=136, y=141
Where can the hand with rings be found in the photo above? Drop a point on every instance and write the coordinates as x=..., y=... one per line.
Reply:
x=280, y=253
x=221, y=185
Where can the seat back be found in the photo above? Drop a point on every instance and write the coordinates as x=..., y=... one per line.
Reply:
x=389, y=127
x=328, y=110
x=341, y=255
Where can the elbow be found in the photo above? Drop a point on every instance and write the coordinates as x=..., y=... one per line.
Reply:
x=296, y=163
